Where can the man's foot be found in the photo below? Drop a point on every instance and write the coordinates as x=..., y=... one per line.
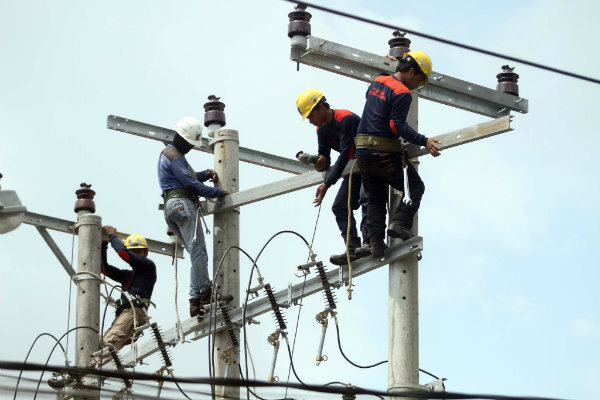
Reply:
x=194, y=307
x=364, y=250
x=399, y=231
x=377, y=247
x=342, y=259
x=60, y=381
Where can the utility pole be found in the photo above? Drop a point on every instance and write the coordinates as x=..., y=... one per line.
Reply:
x=226, y=230
x=88, y=287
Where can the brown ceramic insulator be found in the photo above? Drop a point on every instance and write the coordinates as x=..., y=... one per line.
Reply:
x=507, y=81
x=398, y=45
x=214, y=111
x=85, y=199
x=299, y=21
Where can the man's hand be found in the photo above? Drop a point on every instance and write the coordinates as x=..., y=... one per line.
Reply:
x=434, y=150
x=110, y=230
x=226, y=192
x=213, y=175
x=321, y=190
x=321, y=163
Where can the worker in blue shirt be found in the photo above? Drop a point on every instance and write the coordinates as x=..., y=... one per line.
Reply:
x=336, y=130
x=180, y=187
x=381, y=156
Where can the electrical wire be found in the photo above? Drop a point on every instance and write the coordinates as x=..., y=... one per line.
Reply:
x=337, y=328
x=422, y=394
x=449, y=42
x=52, y=351
x=29, y=352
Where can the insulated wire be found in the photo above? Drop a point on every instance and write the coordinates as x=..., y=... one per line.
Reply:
x=52, y=351
x=29, y=352
x=450, y=42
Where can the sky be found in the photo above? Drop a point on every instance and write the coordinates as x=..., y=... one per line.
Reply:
x=508, y=288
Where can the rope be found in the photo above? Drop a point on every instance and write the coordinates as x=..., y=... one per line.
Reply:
x=348, y=232
x=179, y=324
x=70, y=294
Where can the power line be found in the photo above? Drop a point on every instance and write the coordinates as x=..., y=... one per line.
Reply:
x=449, y=42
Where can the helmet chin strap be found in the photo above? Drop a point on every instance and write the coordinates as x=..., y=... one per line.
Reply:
x=181, y=144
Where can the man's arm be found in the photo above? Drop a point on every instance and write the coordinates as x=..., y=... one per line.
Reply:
x=182, y=173
x=398, y=123
x=324, y=160
x=113, y=273
x=349, y=125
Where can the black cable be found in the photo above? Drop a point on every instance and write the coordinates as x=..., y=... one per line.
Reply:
x=179, y=387
x=292, y=363
x=422, y=394
x=349, y=385
x=254, y=394
x=449, y=42
x=29, y=352
x=100, y=338
x=52, y=351
x=337, y=328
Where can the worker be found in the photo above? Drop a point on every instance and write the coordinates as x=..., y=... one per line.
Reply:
x=381, y=155
x=336, y=130
x=180, y=187
x=138, y=283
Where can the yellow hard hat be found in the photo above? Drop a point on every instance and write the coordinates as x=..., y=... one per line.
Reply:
x=423, y=61
x=136, y=241
x=307, y=100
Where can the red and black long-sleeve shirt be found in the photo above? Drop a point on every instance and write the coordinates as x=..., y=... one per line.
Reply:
x=338, y=135
x=386, y=108
x=139, y=280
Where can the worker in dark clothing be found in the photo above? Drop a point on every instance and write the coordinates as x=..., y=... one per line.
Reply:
x=381, y=157
x=180, y=187
x=138, y=282
x=336, y=130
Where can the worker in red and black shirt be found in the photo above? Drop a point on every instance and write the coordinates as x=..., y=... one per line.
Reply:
x=336, y=130
x=381, y=156
x=138, y=282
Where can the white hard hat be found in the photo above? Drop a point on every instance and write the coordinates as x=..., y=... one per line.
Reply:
x=190, y=129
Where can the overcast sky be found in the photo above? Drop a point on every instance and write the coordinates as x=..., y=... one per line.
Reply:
x=509, y=296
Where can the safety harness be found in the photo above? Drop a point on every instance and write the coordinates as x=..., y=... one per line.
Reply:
x=137, y=302
x=390, y=145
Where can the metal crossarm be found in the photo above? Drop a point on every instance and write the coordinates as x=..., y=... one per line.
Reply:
x=262, y=305
x=166, y=136
x=364, y=66
x=65, y=226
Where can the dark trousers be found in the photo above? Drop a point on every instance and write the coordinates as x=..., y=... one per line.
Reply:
x=379, y=171
x=340, y=205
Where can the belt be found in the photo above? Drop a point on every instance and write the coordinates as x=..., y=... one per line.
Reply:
x=177, y=193
x=140, y=303
x=378, y=143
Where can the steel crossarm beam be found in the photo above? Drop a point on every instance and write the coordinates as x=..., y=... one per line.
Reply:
x=65, y=226
x=448, y=140
x=262, y=305
x=364, y=66
x=166, y=136
x=465, y=135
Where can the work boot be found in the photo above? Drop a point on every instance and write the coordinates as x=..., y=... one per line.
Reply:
x=377, y=247
x=194, y=307
x=342, y=259
x=365, y=249
x=204, y=300
x=399, y=231
x=60, y=381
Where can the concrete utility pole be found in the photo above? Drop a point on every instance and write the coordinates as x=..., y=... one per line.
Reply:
x=403, y=303
x=226, y=233
x=88, y=287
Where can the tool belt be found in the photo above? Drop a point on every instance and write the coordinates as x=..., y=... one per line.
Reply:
x=177, y=192
x=140, y=303
x=386, y=144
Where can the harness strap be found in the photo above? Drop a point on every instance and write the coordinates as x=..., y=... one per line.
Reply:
x=391, y=145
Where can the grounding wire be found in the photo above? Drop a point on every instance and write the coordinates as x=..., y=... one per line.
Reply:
x=52, y=351
x=244, y=310
x=29, y=352
x=312, y=240
x=11, y=365
x=450, y=42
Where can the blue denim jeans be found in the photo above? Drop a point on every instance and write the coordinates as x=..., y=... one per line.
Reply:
x=180, y=214
x=358, y=198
